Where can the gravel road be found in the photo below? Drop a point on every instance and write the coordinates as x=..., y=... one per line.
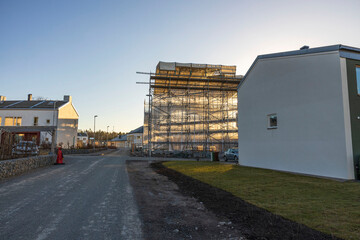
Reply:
x=87, y=198
x=115, y=196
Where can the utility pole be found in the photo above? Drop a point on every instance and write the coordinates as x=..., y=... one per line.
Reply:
x=94, y=130
x=150, y=110
x=107, y=134
x=54, y=133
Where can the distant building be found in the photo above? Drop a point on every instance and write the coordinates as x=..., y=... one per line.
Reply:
x=299, y=111
x=82, y=138
x=119, y=141
x=135, y=138
x=36, y=120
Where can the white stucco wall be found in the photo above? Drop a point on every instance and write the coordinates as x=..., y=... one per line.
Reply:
x=28, y=116
x=137, y=141
x=119, y=144
x=67, y=132
x=306, y=94
x=67, y=125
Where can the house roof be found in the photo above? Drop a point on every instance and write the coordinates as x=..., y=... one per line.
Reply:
x=119, y=138
x=312, y=50
x=24, y=104
x=345, y=52
x=80, y=134
x=137, y=130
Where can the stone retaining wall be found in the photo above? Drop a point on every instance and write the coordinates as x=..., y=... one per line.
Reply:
x=13, y=167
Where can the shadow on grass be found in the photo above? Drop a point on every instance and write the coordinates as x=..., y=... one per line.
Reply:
x=254, y=222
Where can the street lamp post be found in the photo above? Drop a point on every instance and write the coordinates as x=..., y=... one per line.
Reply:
x=107, y=134
x=94, y=130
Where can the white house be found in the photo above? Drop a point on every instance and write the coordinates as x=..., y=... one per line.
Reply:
x=119, y=141
x=35, y=120
x=82, y=138
x=135, y=138
x=299, y=111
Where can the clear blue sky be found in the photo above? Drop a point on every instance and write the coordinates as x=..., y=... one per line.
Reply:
x=91, y=50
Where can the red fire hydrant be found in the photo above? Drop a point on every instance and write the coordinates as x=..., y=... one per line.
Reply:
x=60, y=157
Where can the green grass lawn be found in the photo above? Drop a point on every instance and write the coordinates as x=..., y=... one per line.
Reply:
x=325, y=205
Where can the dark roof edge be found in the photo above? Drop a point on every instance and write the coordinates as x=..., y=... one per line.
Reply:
x=14, y=105
x=300, y=52
x=137, y=130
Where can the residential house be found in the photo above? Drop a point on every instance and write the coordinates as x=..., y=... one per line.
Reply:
x=82, y=139
x=135, y=138
x=119, y=141
x=40, y=120
x=299, y=111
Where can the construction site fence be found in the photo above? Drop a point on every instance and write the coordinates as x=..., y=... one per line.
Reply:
x=179, y=154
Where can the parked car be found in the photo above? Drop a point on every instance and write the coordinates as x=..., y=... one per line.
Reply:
x=25, y=148
x=231, y=154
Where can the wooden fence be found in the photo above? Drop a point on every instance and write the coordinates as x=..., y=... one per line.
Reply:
x=6, y=144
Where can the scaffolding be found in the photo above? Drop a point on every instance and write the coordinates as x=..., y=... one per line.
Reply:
x=191, y=107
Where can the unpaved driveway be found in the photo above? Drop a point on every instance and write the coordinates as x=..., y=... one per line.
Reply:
x=167, y=214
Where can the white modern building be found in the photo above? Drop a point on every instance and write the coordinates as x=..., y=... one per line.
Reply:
x=299, y=111
x=135, y=138
x=37, y=120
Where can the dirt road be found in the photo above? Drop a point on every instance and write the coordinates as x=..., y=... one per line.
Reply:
x=167, y=214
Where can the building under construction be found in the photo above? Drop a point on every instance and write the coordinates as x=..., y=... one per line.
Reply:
x=191, y=107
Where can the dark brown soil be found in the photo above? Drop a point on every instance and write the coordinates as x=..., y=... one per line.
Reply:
x=168, y=214
x=252, y=221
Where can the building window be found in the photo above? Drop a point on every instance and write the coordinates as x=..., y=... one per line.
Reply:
x=47, y=121
x=358, y=78
x=13, y=121
x=36, y=121
x=272, y=121
x=9, y=121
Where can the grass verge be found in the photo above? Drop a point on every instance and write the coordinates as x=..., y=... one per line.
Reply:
x=325, y=205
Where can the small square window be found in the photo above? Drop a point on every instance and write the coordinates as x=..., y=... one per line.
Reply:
x=272, y=121
x=47, y=121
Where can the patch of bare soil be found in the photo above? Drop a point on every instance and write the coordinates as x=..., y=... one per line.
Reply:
x=168, y=214
x=253, y=222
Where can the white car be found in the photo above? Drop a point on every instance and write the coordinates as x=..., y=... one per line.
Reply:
x=231, y=154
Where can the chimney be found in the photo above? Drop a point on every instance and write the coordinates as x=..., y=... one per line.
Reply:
x=2, y=98
x=67, y=98
x=30, y=97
